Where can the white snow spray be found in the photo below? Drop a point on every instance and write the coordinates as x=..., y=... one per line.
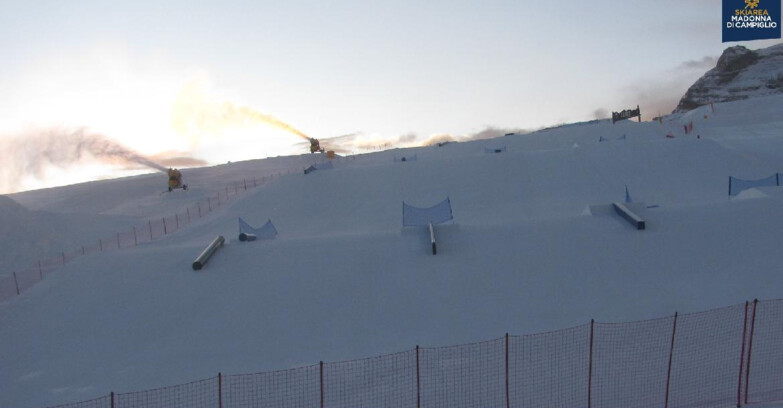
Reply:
x=31, y=152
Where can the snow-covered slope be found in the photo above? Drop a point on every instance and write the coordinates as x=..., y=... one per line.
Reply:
x=739, y=74
x=344, y=280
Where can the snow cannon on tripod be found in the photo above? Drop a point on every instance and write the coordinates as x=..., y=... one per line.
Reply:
x=208, y=252
x=175, y=179
x=315, y=145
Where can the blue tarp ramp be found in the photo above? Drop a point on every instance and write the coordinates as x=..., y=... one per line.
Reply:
x=736, y=185
x=427, y=217
x=494, y=150
x=406, y=158
x=319, y=166
x=248, y=233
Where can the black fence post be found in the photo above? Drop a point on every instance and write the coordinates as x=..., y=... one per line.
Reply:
x=321, y=377
x=508, y=398
x=750, y=348
x=590, y=367
x=671, y=356
x=220, y=390
x=742, y=356
x=418, y=379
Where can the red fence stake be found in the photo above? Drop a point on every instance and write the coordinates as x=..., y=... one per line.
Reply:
x=418, y=380
x=671, y=355
x=750, y=348
x=590, y=366
x=16, y=282
x=508, y=400
x=742, y=356
x=321, y=377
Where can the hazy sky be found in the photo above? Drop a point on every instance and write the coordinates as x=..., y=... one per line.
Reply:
x=195, y=76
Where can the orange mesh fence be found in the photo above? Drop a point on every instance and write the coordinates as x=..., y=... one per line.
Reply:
x=550, y=369
x=719, y=358
x=385, y=381
x=296, y=388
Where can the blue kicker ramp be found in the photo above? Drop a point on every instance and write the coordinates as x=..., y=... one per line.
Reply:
x=267, y=231
x=422, y=217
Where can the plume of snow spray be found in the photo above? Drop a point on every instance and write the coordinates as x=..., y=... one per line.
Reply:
x=31, y=153
x=197, y=115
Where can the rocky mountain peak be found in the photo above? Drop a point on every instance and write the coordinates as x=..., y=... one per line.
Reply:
x=739, y=74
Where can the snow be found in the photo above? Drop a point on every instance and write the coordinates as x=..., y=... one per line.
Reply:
x=532, y=248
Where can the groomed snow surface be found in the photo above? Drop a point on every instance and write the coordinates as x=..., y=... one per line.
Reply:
x=344, y=280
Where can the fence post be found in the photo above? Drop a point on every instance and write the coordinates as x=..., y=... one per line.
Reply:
x=590, y=367
x=220, y=390
x=209, y=200
x=165, y=229
x=176, y=217
x=508, y=399
x=199, y=209
x=112, y=399
x=63, y=258
x=244, y=182
x=671, y=355
x=150, y=224
x=84, y=251
x=750, y=348
x=418, y=379
x=321, y=379
x=742, y=356
x=40, y=269
x=100, y=244
x=188, y=215
x=135, y=239
x=17, y=284
x=118, y=240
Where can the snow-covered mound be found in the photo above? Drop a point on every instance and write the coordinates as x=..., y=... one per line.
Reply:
x=739, y=74
x=344, y=279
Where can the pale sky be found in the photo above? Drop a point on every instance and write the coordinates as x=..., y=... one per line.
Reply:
x=384, y=69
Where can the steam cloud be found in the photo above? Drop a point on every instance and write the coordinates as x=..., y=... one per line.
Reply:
x=31, y=153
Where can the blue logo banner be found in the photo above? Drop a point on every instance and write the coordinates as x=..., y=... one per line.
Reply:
x=747, y=20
